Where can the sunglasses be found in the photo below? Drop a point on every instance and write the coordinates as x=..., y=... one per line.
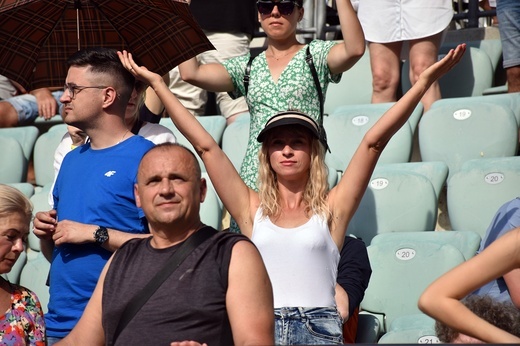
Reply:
x=284, y=7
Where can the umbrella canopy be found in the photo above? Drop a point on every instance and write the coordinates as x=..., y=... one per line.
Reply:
x=38, y=36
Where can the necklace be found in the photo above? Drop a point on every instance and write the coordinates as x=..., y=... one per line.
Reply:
x=124, y=135
x=281, y=56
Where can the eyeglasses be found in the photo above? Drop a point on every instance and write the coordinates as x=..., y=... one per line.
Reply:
x=74, y=89
x=285, y=7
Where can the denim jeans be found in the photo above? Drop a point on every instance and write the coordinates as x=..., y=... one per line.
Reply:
x=508, y=13
x=52, y=340
x=308, y=326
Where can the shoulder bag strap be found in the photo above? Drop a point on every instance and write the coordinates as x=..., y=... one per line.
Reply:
x=310, y=62
x=245, y=80
x=137, y=302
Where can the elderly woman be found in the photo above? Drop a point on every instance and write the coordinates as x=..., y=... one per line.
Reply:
x=297, y=224
x=22, y=322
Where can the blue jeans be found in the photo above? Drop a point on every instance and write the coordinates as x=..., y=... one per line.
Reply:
x=307, y=326
x=508, y=14
x=52, y=340
x=27, y=107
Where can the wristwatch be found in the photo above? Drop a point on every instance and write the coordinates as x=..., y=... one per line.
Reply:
x=101, y=235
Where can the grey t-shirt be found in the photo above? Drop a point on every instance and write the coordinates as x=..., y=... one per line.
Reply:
x=189, y=305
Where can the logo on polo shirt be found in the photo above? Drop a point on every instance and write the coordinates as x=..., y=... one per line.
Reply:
x=110, y=173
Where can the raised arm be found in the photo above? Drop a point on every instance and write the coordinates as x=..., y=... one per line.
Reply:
x=343, y=56
x=441, y=300
x=345, y=197
x=212, y=77
x=238, y=199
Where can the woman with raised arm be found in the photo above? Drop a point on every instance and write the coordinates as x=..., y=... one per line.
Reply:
x=441, y=300
x=297, y=224
x=280, y=77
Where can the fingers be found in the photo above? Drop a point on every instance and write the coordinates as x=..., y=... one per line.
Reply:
x=44, y=224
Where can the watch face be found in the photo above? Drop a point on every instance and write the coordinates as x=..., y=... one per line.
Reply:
x=101, y=235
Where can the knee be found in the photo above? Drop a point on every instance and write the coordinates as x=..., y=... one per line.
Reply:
x=513, y=79
x=384, y=80
x=8, y=115
x=417, y=68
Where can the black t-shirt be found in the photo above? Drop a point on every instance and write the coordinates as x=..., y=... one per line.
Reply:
x=189, y=305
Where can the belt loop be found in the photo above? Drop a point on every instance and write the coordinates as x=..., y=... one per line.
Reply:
x=302, y=312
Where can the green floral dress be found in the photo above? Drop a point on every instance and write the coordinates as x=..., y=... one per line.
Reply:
x=294, y=90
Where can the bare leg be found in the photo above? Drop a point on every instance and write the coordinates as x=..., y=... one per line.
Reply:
x=385, y=64
x=8, y=115
x=423, y=54
x=513, y=79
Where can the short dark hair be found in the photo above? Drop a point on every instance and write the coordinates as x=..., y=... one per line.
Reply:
x=105, y=60
x=503, y=315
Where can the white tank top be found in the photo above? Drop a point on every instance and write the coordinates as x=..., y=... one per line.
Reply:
x=302, y=262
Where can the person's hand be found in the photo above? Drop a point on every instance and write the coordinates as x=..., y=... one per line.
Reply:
x=47, y=105
x=442, y=66
x=44, y=224
x=71, y=232
x=187, y=343
x=77, y=135
x=140, y=72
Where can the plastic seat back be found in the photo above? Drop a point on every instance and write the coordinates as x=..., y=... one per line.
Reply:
x=395, y=201
x=455, y=134
x=34, y=276
x=470, y=77
x=12, y=161
x=401, y=270
x=214, y=124
x=26, y=136
x=467, y=242
x=354, y=88
x=44, y=155
x=347, y=126
x=479, y=189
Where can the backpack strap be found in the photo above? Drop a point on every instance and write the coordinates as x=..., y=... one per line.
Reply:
x=310, y=62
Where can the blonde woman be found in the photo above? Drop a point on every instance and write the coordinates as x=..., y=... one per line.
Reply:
x=297, y=224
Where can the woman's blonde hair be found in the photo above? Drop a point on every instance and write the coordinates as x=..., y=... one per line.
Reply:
x=13, y=201
x=316, y=189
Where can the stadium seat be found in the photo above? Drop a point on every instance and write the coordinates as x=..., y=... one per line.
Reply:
x=454, y=134
x=12, y=161
x=347, y=125
x=354, y=88
x=34, y=276
x=411, y=329
x=470, y=77
x=26, y=188
x=395, y=201
x=235, y=138
x=476, y=192
x=14, y=275
x=467, y=242
x=214, y=124
x=435, y=171
x=492, y=47
x=40, y=203
x=211, y=208
x=44, y=155
x=511, y=100
x=401, y=270
x=26, y=137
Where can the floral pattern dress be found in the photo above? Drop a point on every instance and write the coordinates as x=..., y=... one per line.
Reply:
x=294, y=90
x=23, y=322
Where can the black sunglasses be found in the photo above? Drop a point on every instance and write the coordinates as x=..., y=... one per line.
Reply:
x=284, y=7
